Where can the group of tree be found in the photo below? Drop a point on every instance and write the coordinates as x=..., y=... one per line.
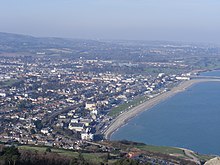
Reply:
x=9, y=155
x=12, y=156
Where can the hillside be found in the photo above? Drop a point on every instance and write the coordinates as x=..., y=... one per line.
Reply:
x=106, y=152
x=139, y=51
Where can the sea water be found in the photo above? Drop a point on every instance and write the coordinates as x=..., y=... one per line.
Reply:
x=190, y=119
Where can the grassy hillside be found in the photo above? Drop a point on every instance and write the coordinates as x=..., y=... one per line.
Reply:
x=115, y=151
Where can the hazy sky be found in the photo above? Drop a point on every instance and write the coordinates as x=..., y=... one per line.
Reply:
x=182, y=20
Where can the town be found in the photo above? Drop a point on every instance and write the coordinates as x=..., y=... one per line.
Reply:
x=56, y=102
x=63, y=96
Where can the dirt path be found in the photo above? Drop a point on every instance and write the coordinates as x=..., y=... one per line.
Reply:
x=191, y=154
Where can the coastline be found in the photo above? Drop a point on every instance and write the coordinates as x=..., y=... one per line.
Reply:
x=123, y=118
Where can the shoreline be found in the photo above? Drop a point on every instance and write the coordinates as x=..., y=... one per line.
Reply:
x=124, y=117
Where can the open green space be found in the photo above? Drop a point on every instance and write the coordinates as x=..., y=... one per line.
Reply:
x=156, y=70
x=126, y=106
x=9, y=82
x=161, y=149
x=90, y=157
x=98, y=157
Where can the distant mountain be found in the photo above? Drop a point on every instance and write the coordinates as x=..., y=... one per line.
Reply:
x=9, y=37
x=23, y=43
x=17, y=44
x=139, y=51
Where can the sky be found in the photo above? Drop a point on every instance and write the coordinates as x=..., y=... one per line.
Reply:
x=173, y=20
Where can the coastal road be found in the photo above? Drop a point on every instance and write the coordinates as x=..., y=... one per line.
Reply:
x=191, y=155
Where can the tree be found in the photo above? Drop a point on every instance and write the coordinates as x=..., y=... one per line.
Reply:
x=11, y=154
x=105, y=158
x=38, y=124
x=32, y=131
x=126, y=161
x=15, y=158
x=81, y=160
x=48, y=149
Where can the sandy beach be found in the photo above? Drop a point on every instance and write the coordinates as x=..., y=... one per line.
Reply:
x=123, y=118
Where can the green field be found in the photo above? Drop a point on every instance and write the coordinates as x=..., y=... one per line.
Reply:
x=126, y=106
x=97, y=157
x=9, y=82
x=155, y=71
x=90, y=157
x=161, y=149
x=125, y=146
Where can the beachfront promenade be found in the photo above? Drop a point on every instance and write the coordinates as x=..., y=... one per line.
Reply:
x=125, y=116
x=210, y=78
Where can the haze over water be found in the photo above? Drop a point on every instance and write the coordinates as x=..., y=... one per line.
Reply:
x=189, y=119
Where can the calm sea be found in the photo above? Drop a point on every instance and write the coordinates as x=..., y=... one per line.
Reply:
x=190, y=119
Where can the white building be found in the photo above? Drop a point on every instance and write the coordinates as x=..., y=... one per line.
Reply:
x=76, y=127
x=90, y=106
x=182, y=78
x=86, y=136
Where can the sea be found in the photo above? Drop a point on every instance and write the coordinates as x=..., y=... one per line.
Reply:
x=190, y=119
